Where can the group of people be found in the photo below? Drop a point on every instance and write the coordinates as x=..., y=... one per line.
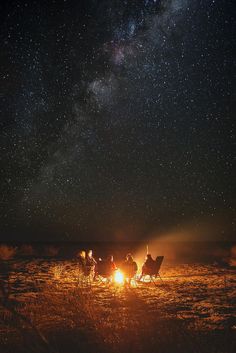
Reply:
x=86, y=262
x=107, y=267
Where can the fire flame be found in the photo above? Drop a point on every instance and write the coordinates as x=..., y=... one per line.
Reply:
x=118, y=277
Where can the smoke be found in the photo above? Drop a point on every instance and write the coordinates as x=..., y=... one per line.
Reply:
x=192, y=242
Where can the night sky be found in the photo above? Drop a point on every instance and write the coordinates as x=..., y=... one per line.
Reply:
x=117, y=118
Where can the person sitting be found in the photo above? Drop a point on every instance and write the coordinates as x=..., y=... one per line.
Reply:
x=129, y=267
x=106, y=268
x=148, y=266
x=100, y=267
x=110, y=265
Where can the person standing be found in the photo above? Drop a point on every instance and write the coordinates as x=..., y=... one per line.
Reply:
x=81, y=261
x=91, y=264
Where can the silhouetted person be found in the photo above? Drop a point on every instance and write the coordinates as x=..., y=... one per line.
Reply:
x=110, y=264
x=129, y=267
x=148, y=266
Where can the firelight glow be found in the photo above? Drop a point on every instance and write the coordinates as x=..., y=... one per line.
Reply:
x=119, y=277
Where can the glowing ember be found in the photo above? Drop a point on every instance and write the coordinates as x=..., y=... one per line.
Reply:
x=119, y=277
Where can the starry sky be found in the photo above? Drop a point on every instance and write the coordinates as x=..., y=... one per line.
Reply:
x=117, y=118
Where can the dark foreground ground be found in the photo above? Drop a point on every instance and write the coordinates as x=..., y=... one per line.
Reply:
x=47, y=306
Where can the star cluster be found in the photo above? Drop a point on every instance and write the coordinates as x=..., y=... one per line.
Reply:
x=116, y=117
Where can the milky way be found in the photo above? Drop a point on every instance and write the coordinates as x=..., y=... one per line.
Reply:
x=117, y=117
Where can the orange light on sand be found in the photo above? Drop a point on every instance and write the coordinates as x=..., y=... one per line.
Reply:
x=119, y=277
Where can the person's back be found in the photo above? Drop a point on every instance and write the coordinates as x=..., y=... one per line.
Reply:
x=110, y=265
x=149, y=265
x=106, y=268
x=129, y=266
x=100, y=267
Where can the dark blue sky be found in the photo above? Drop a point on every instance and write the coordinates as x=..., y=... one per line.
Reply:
x=117, y=117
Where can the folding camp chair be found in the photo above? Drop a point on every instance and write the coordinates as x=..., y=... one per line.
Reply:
x=153, y=272
x=103, y=273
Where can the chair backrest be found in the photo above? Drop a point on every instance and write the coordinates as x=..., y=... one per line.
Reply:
x=159, y=260
x=103, y=269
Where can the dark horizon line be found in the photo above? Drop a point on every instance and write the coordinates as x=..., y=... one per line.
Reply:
x=58, y=242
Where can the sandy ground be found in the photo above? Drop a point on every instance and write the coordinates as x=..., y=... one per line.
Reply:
x=193, y=309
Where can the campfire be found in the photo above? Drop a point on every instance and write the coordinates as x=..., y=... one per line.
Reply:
x=119, y=277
